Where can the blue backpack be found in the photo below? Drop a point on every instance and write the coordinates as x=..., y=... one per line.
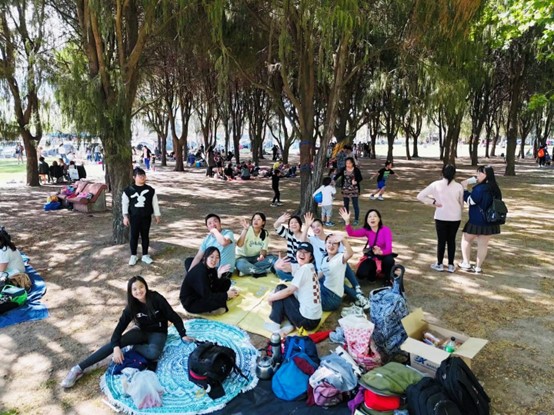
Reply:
x=290, y=382
x=388, y=308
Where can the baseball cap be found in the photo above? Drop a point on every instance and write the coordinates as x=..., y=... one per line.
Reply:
x=306, y=246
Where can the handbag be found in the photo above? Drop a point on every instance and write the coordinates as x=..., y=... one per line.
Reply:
x=16, y=295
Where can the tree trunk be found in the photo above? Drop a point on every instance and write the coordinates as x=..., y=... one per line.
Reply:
x=32, y=158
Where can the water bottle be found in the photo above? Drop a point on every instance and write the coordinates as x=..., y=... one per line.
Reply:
x=275, y=343
x=451, y=345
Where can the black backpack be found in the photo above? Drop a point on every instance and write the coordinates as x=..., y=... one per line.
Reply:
x=462, y=387
x=427, y=397
x=497, y=212
x=209, y=365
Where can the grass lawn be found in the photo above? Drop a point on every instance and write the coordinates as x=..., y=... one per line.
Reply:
x=10, y=170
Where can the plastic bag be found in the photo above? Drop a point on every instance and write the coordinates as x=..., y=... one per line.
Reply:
x=143, y=387
x=357, y=332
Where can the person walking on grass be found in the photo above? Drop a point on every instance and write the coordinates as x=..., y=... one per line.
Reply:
x=382, y=177
x=150, y=312
x=275, y=177
x=328, y=192
x=351, y=178
x=139, y=202
x=446, y=196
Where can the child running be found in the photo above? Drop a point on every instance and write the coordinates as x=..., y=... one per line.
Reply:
x=328, y=192
x=275, y=177
x=139, y=202
x=383, y=175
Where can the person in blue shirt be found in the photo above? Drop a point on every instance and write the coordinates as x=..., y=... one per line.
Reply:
x=477, y=229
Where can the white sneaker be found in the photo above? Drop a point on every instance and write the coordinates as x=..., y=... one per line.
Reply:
x=464, y=266
x=451, y=268
x=73, y=376
x=353, y=310
x=133, y=260
x=146, y=259
x=437, y=267
x=371, y=197
x=362, y=302
x=380, y=198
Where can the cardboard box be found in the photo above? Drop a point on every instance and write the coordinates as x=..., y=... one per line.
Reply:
x=427, y=358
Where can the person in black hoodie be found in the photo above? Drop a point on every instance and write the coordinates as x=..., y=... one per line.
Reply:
x=139, y=202
x=150, y=312
x=205, y=289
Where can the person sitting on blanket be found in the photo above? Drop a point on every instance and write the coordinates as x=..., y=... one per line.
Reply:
x=379, y=245
x=252, y=247
x=300, y=300
x=150, y=312
x=222, y=239
x=206, y=288
x=11, y=265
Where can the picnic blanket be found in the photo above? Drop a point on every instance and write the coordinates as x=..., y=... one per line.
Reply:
x=182, y=396
x=33, y=309
x=250, y=310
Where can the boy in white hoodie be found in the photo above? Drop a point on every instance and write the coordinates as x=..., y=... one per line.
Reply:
x=327, y=192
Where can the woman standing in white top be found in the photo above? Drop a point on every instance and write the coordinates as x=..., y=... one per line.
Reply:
x=447, y=197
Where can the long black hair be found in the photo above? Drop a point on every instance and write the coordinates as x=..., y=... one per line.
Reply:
x=210, y=250
x=6, y=240
x=298, y=218
x=366, y=225
x=491, y=180
x=134, y=304
x=448, y=172
x=263, y=233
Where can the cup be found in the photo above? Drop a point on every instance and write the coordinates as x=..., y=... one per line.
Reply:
x=472, y=180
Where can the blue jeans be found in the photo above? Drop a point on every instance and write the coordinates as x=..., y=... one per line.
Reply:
x=346, y=202
x=251, y=265
x=285, y=276
x=351, y=277
x=329, y=300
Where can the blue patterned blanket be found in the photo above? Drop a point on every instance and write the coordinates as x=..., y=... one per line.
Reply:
x=33, y=309
x=182, y=396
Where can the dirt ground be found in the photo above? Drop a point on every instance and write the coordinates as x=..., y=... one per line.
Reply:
x=511, y=304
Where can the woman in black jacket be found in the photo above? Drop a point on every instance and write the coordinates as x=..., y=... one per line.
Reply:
x=205, y=289
x=150, y=312
x=351, y=178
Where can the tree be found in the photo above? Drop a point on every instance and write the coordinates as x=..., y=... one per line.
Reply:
x=23, y=48
x=98, y=79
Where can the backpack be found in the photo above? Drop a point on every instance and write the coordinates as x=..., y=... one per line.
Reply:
x=497, y=212
x=540, y=153
x=462, y=387
x=15, y=294
x=427, y=397
x=388, y=308
x=209, y=365
x=290, y=382
x=131, y=359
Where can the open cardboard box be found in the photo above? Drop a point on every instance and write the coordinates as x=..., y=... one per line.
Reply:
x=427, y=358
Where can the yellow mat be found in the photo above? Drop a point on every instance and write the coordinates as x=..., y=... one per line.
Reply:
x=250, y=310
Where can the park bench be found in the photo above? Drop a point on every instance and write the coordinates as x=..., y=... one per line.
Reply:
x=88, y=197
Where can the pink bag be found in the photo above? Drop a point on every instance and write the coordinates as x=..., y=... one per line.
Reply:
x=326, y=395
x=357, y=332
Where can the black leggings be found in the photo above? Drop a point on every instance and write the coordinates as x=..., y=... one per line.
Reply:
x=140, y=226
x=368, y=268
x=276, y=195
x=446, y=235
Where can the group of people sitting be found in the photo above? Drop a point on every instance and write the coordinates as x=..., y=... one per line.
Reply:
x=59, y=171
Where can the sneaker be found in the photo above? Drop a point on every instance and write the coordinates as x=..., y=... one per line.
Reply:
x=272, y=326
x=371, y=197
x=279, y=204
x=359, y=290
x=362, y=302
x=380, y=198
x=477, y=270
x=464, y=266
x=437, y=267
x=133, y=260
x=146, y=259
x=217, y=312
x=355, y=223
x=451, y=268
x=273, y=205
x=73, y=376
x=330, y=223
x=353, y=310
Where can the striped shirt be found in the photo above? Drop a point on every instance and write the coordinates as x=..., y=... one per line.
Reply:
x=292, y=241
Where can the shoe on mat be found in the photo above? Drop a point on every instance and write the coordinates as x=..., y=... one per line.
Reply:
x=272, y=327
x=73, y=376
x=362, y=302
x=451, y=268
x=437, y=267
x=465, y=266
x=133, y=260
x=353, y=310
x=147, y=259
